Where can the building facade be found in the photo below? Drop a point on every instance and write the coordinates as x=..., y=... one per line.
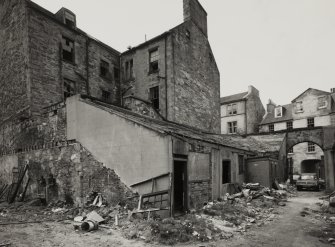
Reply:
x=313, y=108
x=168, y=72
x=241, y=113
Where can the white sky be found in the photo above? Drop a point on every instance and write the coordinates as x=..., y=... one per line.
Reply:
x=282, y=47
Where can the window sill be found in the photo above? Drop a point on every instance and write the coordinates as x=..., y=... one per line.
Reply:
x=69, y=62
x=313, y=152
x=153, y=72
x=322, y=107
x=299, y=111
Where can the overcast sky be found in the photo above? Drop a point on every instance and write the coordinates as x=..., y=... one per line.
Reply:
x=282, y=47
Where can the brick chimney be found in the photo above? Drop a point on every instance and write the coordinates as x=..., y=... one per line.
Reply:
x=195, y=12
x=270, y=107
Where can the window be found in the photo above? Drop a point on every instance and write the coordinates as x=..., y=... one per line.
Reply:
x=68, y=50
x=289, y=125
x=129, y=69
x=240, y=164
x=310, y=122
x=153, y=61
x=299, y=107
x=70, y=20
x=271, y=128
x=104, y=68
x=232, y=109
x=232, y=127
x=278, y=112
x=290, y=151
x=311, y=147
x=116, y=74
x=69, y=88
x=322, y=102
x=106, y=96
x=154, y=97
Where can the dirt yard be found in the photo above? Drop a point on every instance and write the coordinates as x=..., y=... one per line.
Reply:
x=297, y=224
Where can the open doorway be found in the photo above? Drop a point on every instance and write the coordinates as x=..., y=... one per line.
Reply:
x=180, y=186
x=226, y=171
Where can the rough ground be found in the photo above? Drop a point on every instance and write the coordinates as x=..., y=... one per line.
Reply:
x=291, y=228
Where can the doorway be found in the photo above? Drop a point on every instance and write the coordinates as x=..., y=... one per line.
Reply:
x=226, y=171
x=180, y=186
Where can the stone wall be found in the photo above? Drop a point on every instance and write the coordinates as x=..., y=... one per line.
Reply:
x=255, y=111
x=48, y=69
x=195, y=94
x=75, y=171
x=13, y=58
x=200, y=193
x=141, y=107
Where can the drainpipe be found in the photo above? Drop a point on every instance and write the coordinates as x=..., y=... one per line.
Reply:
x=246, y=118
x=166, y=84
x=87, y=67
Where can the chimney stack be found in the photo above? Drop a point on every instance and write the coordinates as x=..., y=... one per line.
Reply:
x=270, y=107
x=195, y=12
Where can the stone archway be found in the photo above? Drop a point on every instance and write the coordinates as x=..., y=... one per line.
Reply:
x=324, y=137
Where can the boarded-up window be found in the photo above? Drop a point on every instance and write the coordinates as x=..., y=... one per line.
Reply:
x=198, y=166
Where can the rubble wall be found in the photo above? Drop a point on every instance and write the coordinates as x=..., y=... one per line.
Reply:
x=13, y=58
x=75, y=170
x=195, y=94
x=255, y=112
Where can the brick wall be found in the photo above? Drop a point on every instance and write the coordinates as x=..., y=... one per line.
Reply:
x=13, y=58
x=200, y=193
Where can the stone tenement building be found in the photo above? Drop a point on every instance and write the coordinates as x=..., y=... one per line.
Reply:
x=313, y=108
x=45, y=58
x=241, y=113
x=179, y=76
x=85, y=117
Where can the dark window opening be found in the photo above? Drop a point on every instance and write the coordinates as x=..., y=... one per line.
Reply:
x=69, y=88
x=69, y=23
x=289, y=125
x=153, y=61
x=106, y=96
x=154, y=97
x=226, y=172
x=126, y=70
x=310, y=122
x=70, y=20
x=240, y=164
x=68, y=50
x=131, y=69
x=104, y=68
x=271, y=128
x=116, y=74
x=290, y=151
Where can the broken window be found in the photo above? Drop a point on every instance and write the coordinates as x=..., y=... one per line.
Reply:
x=240, y=164
x=310, y=122
x=153, y=61
x=70, y=20
x=232, y=127
x=154, y=97
x=69, y=88
x=271, y=128
x=299, y=107
x=106, y=96
x=68, y=50
x=232, y=109
x=279, y=112
x=311, y=147
x=104, y=68
x=116, y=74
x=322, y=102
x=289, y=125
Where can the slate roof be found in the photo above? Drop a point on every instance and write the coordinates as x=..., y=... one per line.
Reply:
x=287, y=115
x=249, y=143
x=233, y=98
x=319, y=92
